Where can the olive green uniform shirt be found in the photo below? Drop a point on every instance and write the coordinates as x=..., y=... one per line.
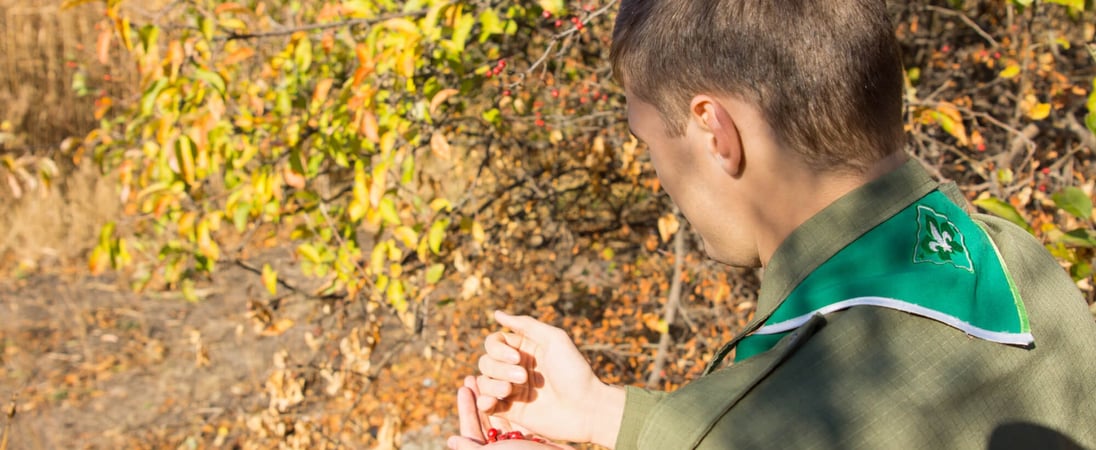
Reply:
x=873, y=377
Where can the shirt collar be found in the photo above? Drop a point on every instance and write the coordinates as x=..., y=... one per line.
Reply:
x=835, y=227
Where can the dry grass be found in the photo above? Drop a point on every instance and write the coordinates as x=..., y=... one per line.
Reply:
x=41, y=49
x=57, y=225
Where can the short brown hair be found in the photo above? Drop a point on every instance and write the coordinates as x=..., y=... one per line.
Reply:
x=827, y=74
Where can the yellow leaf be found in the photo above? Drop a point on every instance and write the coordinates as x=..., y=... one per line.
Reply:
x=270, y=279
x=667, y=226
x=406, y=235
x=947, y=116
x=99, y=260
x=359, y=202
x=1039, y=112
x=437, y=235
x=477, y=232
x=1011, y=71
x=439, y=204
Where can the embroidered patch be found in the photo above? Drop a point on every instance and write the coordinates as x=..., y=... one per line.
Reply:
x=939, y=241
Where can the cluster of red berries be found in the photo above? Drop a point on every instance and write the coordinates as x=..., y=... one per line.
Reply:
x=574, y=20
x=499, y=67
x=495, y=435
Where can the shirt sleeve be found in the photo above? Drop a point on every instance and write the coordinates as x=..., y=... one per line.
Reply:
x=638, y=403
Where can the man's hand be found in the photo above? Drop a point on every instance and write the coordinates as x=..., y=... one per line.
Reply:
x=534, y=376
x=472, y=422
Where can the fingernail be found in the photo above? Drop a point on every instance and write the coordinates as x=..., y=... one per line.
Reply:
x=514, y=357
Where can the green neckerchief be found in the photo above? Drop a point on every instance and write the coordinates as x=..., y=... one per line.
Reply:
x=930, y=259
x=828, y=232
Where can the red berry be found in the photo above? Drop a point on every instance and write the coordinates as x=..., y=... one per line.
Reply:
x=946, y=48
x=546, y=14
x=1046, y=171
x=506, y=93
x=555, y=93
x=540, y=122
x=981, y=146
x=493, y=435
x=1042, y=188
x=559, y=23
x=502, y=63
x=515, y=435
x=575, y=20
x=996, y=55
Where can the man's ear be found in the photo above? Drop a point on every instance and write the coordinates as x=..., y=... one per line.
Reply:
x=720, y=133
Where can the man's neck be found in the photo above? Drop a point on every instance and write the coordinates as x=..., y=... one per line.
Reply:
x=810, y=192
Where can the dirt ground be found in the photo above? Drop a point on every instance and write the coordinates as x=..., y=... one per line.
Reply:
x=87, y=363
x=90, y=365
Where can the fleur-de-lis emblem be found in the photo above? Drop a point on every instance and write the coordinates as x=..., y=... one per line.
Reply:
x=939, y=240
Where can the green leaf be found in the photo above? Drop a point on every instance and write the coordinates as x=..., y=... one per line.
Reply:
x=1004, y=210
x=148, y=99
x=1077, y=238
x=434, y=273
x=489, y=24
x=1074, y=201
x=461, y=31
x=212, y=78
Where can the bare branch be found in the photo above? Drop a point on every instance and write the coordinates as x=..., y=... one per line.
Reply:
x=669, y=311
x=322, y=26
x=977, y=29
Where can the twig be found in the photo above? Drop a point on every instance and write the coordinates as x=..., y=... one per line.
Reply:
x=669, y=311
x=7, y=424
x=559, y=37
x=321, y=26
x=966, y=20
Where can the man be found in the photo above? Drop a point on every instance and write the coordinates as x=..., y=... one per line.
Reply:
x=888, y=316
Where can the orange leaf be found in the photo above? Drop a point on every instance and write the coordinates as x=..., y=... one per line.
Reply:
x=292, y=178
x=323, y=89
x=102, y=45
x=278, y=328
x=369, y=126
x=667, y=226
x=238, y=55
x=440, y=98
x=102, y=105
x=440, y=146
x=229, y=7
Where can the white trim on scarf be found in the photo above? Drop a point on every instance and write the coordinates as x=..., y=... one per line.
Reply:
x=912, y=308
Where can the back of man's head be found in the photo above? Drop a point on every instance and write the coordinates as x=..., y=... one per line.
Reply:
x=826, y=74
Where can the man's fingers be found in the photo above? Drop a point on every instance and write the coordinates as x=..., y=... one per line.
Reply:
x=490, y=387
x=470, y=426
x=498, y=370
x=503, y=347
x=531, y=328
